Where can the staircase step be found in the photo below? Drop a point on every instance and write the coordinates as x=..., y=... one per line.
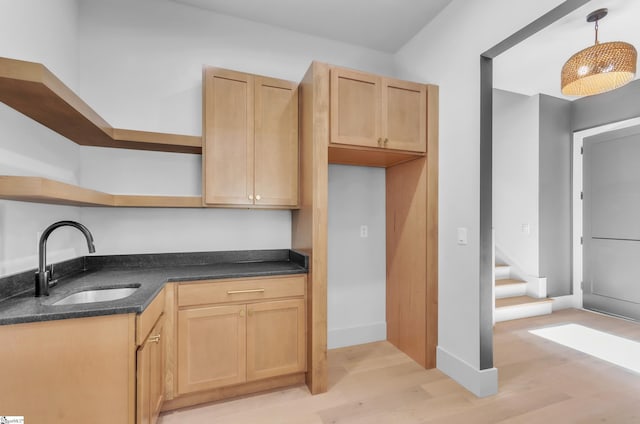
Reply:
x=502, y=271
x=509, y=287
x=508, y=281
x=516, y=307
x=519, y=301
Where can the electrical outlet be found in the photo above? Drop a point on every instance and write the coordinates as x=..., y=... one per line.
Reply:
x=364, y=231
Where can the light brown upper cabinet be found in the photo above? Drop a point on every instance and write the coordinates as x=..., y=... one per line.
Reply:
x=250, y=149
x=373, y=111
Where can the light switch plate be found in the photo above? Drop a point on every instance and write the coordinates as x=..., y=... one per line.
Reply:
x=462, y=236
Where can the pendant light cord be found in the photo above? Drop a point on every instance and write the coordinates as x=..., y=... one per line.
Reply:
x=597, y=42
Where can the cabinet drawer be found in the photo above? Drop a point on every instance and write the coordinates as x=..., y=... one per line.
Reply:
x=240, y=290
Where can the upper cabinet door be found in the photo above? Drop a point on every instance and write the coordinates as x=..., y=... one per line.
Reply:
x=276, y=142
x=372, y=111
x=404, y=115
x=355, y=108
x=228, y=144
x=250, y=150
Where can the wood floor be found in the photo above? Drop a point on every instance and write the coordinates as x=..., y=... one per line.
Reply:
x=540, y=382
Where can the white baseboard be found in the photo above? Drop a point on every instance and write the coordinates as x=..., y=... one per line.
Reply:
x=341, y=337
x=566, y=302
x=481, y=383
x=526, y=310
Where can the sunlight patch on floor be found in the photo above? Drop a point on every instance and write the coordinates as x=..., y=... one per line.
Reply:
x=617, y=350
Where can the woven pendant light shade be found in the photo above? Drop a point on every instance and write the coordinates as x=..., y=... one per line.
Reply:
x=599, y=68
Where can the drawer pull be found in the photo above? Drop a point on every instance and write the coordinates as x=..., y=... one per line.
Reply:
x=154, y=339
x=245, y=291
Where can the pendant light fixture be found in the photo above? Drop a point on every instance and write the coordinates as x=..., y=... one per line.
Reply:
x=599, y=68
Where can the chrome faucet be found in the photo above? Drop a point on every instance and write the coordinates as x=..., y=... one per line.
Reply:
x=42, y=276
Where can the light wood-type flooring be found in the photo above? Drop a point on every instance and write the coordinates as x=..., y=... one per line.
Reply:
x=540, y=382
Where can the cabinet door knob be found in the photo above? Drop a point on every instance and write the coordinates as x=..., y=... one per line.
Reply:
x=258, y=197
x=251, y=197
x=241, y=312
x=386, y=140
x=379, y=141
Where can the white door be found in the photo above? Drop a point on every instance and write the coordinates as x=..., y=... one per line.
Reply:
x=611, y=221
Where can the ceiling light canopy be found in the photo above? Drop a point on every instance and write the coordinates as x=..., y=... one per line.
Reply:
x=599, y=68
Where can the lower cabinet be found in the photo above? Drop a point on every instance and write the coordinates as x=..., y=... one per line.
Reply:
x=275, y=338
x=211, y=347
x=248, y=337
x=150, y=376
x=230, y=337
x=65, y=371
x=150, y=360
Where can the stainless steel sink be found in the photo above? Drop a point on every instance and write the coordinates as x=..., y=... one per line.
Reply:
x=100, y=295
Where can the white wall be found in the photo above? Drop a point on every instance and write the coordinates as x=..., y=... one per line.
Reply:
x=41, y=31
x=447, y=53
x=122, y=231
x=141, y=61
x=45, y=32
x=531, y=178
x=516, y=185
x=356, y=266
x=139, y=65
x=555, y=194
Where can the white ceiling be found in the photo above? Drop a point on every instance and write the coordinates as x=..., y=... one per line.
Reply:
x=384, y=25
x=534, y=65
x=531, y=67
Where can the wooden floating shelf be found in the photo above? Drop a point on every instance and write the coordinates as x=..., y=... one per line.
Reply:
x=33, y=90
x=43, y=190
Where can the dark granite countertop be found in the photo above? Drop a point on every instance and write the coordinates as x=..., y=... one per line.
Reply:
x=148, y=272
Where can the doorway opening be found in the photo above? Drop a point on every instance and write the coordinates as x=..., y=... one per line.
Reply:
x=486, y=271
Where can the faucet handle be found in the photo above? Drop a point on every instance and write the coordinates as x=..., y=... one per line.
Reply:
x=50, y=280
